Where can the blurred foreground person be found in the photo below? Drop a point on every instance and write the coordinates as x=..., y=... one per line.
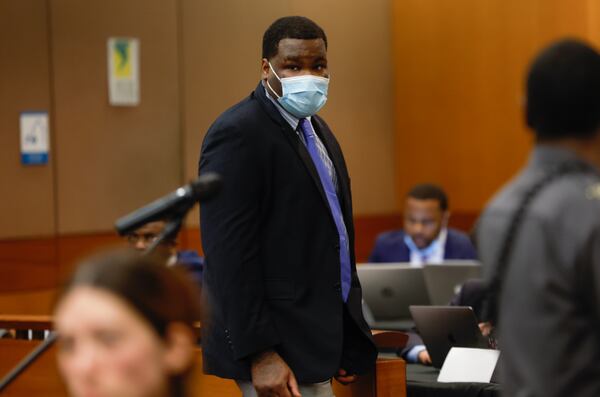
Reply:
x=125, y=327
x=539, y=238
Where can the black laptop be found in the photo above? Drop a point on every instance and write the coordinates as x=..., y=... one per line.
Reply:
x=445, y=327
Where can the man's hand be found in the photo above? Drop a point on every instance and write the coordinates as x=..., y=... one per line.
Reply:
x=486, y=328
x=343, y=377
x=424, y=357
x=272, y=377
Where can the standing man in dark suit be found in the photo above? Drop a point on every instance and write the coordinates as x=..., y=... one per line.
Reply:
x=280, y=280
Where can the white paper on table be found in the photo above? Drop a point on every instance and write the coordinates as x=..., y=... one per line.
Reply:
x=464, y=364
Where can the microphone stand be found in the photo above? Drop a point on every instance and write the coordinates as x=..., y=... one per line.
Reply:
x=170, y=231
x=25, y=362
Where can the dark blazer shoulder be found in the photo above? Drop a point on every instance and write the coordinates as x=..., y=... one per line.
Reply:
x=459, y=246
x=458, y=235
x=391, y=236
x=245, y=111
x=390, y=247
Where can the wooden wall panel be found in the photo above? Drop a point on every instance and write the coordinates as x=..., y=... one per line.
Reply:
x=41, y=378
x=28, y=264
x=113, y=159
x=31, y=302
x=40, y=250
x=460, y=69
x=76, y=247
x=27, y=202
x=38, y=263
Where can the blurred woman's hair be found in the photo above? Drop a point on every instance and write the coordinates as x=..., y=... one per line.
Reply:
x=161, y=295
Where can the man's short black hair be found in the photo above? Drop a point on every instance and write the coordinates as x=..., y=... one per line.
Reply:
x=293, y=27
x=563, y=91
x=429, y=191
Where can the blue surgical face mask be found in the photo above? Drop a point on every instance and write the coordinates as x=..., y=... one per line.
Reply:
x=302, y=96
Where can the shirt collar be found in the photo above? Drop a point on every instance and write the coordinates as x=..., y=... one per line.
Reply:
x=436, y=244
x=549, y=154
x=545, y=155
x=172, y=261
x=292, y=120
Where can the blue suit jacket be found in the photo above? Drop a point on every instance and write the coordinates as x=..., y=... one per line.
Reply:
x=192, y=263
x=390, y=247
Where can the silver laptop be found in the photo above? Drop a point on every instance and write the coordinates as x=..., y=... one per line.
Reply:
x=389, y=289
x=444, y=280
x=445, y=327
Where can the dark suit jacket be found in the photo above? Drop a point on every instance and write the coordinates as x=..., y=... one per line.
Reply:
x=272, y=276
x=390, y=247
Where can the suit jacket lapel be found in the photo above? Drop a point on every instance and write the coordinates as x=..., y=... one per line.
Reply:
x=292, y=138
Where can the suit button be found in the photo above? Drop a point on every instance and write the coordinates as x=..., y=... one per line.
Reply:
x=337, y=287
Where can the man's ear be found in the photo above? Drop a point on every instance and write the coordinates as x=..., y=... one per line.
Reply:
x=264, y=69
x=180, y=352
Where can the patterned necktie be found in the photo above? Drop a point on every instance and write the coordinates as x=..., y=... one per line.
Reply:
x=326, y=173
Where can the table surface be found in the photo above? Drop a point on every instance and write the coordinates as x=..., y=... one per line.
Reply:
x=421, y=381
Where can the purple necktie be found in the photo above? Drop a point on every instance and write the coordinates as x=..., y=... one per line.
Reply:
x=325, y=175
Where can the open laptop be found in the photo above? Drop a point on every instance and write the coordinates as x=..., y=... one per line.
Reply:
x=444, y=280
x=389, y=289
x=444, y=327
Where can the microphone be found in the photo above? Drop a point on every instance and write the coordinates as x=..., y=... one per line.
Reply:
x=176, y=203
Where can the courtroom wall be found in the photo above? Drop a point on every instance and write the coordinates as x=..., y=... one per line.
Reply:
x=27, y=205
x=197, y=59
x=459, y=68
x=421, y=90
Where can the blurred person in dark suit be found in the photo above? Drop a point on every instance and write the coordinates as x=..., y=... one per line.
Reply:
x=426, y=237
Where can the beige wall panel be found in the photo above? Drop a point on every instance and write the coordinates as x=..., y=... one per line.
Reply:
x=222, y=45
x=113, y=159
x=460, y=69
x=359, y=109
x=594, y=21
x=27, y=202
